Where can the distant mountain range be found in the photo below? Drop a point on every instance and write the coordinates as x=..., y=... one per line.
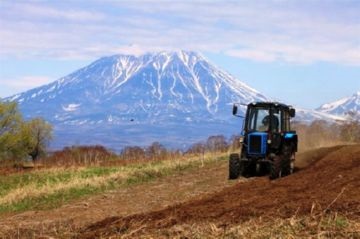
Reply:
x=176, y=98
x=345, y=107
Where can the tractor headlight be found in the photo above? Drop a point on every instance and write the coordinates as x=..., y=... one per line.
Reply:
x=241, y=140
x=269, y=141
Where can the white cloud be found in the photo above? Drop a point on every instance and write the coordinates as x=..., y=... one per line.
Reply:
x=253, y=54
x=22, y=83
x=262, y=31
x=36, y=11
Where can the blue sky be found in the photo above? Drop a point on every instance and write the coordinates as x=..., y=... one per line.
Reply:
x=304, y=53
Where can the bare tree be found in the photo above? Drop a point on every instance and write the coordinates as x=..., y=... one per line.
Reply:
x=350, y=130
x=235, y=142
x=217, y=143
x=197, y=149
x=133, y=153
x=156, y=151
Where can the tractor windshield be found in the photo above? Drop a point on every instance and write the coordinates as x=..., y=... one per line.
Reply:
x=259, y=119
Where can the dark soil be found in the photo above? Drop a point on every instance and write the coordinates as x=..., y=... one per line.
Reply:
x=328, y=181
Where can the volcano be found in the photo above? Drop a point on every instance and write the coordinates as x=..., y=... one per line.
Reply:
x=175, y=98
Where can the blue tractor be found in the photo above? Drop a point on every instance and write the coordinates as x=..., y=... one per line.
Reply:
x=268, y=145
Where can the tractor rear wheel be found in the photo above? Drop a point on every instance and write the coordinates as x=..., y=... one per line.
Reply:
x=234, y=166
x=287, y=164
x=287, y=168
x=276, y=168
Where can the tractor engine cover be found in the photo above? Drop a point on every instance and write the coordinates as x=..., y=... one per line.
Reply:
x=257, y=143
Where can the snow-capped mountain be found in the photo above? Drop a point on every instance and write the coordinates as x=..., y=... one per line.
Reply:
x=119, y=88
x=308, y=116
x=176, y=98
x=343, y=107
x=124, y=99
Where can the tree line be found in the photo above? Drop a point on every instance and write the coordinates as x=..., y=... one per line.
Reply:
x=98, y=155
x=321, y=133
x=21, y=138
x=214, y=144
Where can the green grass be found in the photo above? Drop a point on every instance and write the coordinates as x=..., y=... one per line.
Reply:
x=50, y=177
x=46, y=189
x=50, y=200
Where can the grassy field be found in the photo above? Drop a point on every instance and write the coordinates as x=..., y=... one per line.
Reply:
x=49, y=188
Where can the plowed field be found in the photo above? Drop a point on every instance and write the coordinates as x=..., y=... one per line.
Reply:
x=328, y=181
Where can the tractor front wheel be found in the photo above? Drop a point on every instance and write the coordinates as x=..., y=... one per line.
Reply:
x=234, y=166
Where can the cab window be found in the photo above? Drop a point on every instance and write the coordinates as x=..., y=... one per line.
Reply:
x=276, y=121
x=258, y=119
x=286, y=120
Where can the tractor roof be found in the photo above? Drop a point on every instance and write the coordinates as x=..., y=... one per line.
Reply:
x=270, y=104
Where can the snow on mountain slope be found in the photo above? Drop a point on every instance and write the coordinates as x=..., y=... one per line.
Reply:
x=167, y=96
x=150, y=87
x=307, y=116
x=343, y=106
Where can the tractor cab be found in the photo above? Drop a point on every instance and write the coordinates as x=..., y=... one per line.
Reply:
x=267, y=117
x=267, y=137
